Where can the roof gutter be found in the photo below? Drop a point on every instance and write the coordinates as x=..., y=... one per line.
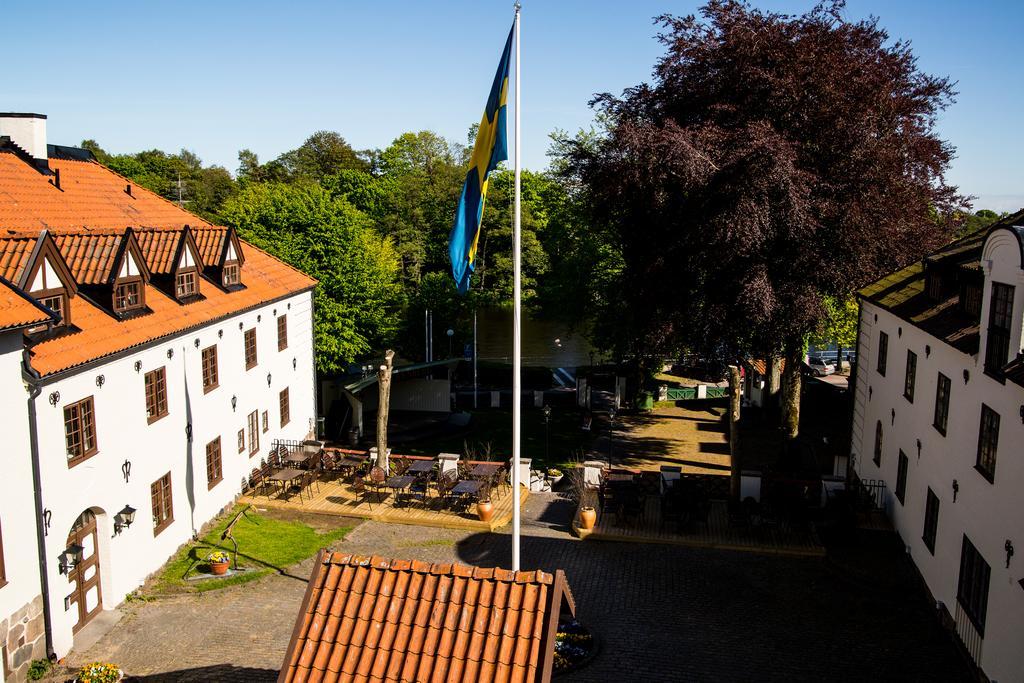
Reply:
x=32, y=378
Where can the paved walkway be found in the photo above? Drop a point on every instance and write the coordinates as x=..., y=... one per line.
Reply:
x=662, y=613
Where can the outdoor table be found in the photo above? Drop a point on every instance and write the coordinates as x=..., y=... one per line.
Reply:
x=618, y=477
x=398, y=484
x=484, y=470
x=296, y=456
x=285, y=477
x=421, y=467
x=466, y=488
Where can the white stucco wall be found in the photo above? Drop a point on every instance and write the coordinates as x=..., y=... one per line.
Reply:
x=988, y=513
x=16, y=502
x=155, y=449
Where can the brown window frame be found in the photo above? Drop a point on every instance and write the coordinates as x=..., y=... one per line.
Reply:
x=254, y=432
x=902, y=467
x=184, y=275
x=250, y=336
x=266, y=421
x=973, y=585
x=1000, y=324
x=241, y=440
x=140, y=294
x=284, y=405
x=211, y=373
x=85, y=430
x=163, y=511
x=282, y=332
x=231, y=267
x=910, y=376
x=62, y=310
x=156, y=394
x=943, y=388
x=877, y=455
x=214, y=464
x=931, y=520
x=988, y=443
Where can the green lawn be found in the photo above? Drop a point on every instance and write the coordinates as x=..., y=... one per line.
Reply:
x=494, y=426
x=265, y=545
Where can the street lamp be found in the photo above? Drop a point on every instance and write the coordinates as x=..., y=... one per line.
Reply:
x=547, y=433
x=611, y=434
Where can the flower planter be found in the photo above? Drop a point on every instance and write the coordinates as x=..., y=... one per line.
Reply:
x=485, y=510
x=98, y=672
x=219, y=568
x=588, y=518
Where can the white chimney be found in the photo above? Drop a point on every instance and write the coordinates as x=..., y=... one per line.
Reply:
x=27, y=131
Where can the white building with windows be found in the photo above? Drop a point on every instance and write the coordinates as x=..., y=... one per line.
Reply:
x=176, y=353
x=939, y=418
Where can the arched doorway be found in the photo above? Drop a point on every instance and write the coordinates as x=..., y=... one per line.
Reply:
x=84, y=577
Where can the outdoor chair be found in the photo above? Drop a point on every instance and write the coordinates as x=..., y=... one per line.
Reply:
x=400, y=466
x=377, y=481
x=445, y=483
x=496, y=481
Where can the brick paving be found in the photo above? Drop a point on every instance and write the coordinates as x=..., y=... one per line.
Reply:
x=662, y=613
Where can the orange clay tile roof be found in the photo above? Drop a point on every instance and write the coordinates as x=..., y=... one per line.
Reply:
x=90, y=195
x=87, y=218
x=18, y=310
x=265, y=278
x=373, y=619
x=211, y=243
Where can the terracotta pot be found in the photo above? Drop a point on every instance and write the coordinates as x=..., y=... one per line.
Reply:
x=485, y=510
x=219, y=568
x=588, y=517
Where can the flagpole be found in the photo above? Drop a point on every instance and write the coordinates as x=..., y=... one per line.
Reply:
x=517, y=361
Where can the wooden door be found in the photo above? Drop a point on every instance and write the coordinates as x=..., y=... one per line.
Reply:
x=85, y=577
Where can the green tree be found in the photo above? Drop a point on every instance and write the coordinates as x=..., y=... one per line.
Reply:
x=358, y=299
x=323, y=153
x=838, y=325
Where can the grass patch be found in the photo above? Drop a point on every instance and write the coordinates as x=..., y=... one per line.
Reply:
x=550, y=446
x=265, y=545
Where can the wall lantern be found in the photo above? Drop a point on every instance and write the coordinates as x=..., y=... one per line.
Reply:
x=927, y=350
x=54, y=398
x=956, y=489
x=899, y=331
x=919, y=449
x=1008, y=547
x=289, y=305
x=70, y=558
x=196, y=342
x=893, y=421
x=1022, y=414
x=268, y=379
x=240, y=325
x=123, y=519
x=967, y=375
x=870, y=393
x=220, y=334
x=295, y=364
x=234, y=402
x=138, y=365
x=170, y=354
x=100, y=380
x=259, y=318
x=275, y=311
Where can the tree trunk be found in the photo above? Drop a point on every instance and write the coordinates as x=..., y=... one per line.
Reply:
x=791, y=389
x=734, y=433
x=773, y=368
x=383, y=405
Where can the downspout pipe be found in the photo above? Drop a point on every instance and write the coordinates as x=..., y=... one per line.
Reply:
x=34, y=381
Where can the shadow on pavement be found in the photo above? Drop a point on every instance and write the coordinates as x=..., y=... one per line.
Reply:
x=223, y=673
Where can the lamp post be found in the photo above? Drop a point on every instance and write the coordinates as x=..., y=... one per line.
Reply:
x=547, y=433
x=611, y=435
x=450, y=333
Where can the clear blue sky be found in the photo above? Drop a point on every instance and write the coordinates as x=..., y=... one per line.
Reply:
x=219, y=76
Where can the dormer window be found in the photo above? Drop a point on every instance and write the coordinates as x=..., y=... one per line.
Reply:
x=58, y=304
x=934, y=285
x=231, y=274
x=971, y=300
x=128, y=296
x=186, y=284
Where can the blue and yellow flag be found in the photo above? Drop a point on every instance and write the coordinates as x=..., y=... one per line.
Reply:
x=490, y=148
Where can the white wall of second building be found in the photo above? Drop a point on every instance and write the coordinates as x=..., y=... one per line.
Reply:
x=124, y=434
x=19, y=586
x=988, y=513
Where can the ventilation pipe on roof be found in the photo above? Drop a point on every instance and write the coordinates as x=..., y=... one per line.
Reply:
x=128, y=189
x=27, y=131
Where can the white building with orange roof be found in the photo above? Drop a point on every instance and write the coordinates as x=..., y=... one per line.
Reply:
x=179, y=353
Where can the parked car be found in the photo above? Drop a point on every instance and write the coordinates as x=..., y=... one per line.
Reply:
x=820, y=367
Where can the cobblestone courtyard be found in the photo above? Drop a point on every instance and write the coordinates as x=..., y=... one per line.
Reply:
x=662, y=613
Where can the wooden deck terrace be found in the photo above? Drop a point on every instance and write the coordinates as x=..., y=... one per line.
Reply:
x=336, y=496
x=717, y=532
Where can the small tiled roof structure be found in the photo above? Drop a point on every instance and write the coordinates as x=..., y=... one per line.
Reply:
x=18, y=310
x=380, y=620
x=84, y=216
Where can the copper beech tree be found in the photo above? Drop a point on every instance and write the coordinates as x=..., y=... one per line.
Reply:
x=773, y=161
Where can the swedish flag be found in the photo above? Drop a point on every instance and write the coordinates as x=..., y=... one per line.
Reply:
x=490, y=148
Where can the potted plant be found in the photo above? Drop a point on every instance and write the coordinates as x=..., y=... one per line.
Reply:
x=485, y=509
x=555, y=475
x=99, y=672
x=583, y=495
x=219, y=562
